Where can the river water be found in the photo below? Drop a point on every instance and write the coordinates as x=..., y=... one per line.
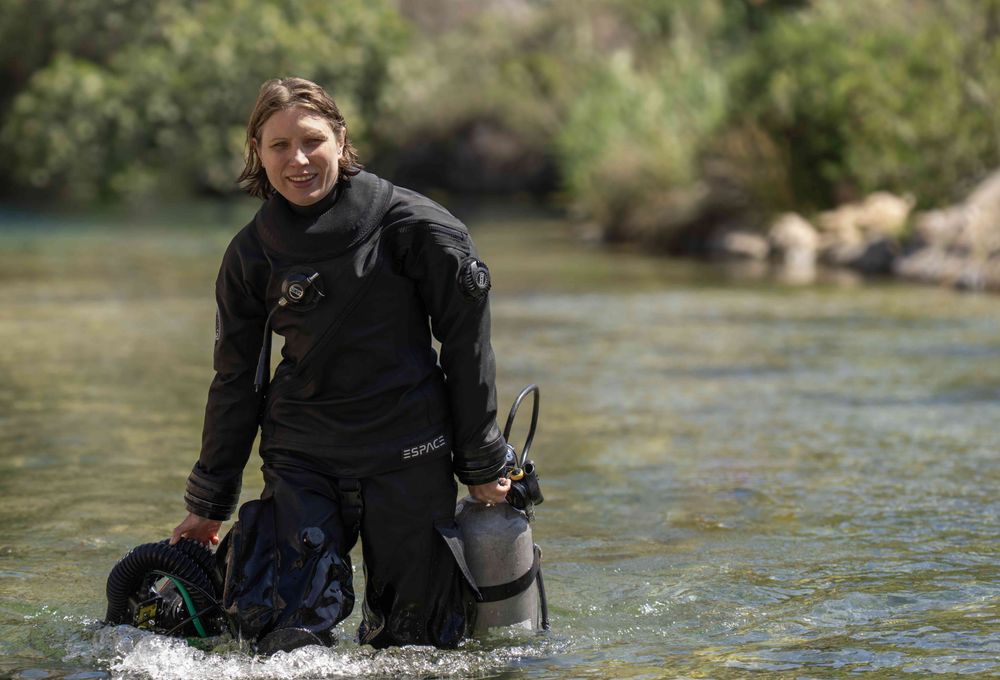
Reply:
x=740, y=477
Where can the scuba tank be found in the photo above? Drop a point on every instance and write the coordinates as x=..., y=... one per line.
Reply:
x=501, y=556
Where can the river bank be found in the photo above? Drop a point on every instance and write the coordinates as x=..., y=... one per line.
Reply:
x=956, y=246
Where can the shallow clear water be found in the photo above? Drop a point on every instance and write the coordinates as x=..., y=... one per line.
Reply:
x=739, y=477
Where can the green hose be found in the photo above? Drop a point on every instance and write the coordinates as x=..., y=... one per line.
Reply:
x=190, y=605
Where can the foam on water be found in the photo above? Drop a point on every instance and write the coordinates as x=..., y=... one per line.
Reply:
x=133, y=654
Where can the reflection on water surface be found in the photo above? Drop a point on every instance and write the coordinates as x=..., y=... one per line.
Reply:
x=738, y=476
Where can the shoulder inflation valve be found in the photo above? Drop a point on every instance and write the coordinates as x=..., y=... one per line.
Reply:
x=474, y=279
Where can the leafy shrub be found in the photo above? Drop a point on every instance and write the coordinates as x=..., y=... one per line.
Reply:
x=631, y=145
x=897, y=95
x=166, y=112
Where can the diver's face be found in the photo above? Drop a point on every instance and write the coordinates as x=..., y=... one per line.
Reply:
x=300, y=153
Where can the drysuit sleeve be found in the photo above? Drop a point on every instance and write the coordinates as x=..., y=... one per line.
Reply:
x=441, y=259
x=231, y=415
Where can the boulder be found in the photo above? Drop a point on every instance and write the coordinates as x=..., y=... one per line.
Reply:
x=961, y=243
x=872, y=256
x=740, y=245
x=941, y=228
x=842, y=253
x=884, y=215
x=879, y=215
x=980, y=233
x=877, y=257
x=972, y=226
x=864, y=236
x=793, y=240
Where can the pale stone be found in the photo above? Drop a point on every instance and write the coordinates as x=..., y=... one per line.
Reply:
x=794, y=242
x=879, y=215
x=742, y=245
x=962, y=242
x=792, y=233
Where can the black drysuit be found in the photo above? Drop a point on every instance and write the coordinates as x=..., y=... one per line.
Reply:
x=359, y=413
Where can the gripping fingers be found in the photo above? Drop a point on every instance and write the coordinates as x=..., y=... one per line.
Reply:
x=498, y=492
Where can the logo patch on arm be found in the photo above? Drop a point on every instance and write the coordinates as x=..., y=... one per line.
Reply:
x=474, y=279
x=425, y=448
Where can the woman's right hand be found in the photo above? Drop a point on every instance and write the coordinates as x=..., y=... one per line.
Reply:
x=490, y=493
x=205, y=531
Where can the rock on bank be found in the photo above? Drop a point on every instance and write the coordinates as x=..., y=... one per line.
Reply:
x=955, y=246
x=958, y=245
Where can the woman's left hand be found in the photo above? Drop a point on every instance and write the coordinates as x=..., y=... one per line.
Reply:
x=491, y=492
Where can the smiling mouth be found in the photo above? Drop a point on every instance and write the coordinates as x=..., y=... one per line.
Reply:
x=304, y=178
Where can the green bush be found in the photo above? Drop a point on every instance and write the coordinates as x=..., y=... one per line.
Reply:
x=478, y=99
x=897, y=95
x=631, y=145
x=617, y=95
x=165, y=112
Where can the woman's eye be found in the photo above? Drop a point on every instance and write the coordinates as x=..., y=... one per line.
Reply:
x=279, y=145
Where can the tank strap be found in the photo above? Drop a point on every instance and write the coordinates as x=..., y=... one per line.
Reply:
x=351, y=504
x=515, y=587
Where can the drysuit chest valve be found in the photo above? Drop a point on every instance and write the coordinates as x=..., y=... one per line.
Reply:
x=301, y=290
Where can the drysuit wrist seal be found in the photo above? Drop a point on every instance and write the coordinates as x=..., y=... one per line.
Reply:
x=476, y=477
x=210, y=499
x=206, y=509
x=483, y=465
x=218, y=490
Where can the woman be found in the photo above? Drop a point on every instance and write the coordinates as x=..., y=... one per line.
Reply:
x=361, y=427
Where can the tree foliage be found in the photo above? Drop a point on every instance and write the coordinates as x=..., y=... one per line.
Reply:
x=638, y=113
x=630, y=147
x=891, y=95
x=163, y=109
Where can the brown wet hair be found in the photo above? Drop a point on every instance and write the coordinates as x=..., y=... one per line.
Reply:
x=279, y=94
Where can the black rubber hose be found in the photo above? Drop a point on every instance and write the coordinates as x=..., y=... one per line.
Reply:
x=132, y=571
x=530, y=389
x=543, y=601
x=264, y=360
x=204, y=558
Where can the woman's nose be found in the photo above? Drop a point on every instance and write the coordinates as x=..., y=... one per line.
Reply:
x=300, y=157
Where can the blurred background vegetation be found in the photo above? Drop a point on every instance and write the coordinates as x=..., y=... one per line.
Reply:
x=650, y=119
